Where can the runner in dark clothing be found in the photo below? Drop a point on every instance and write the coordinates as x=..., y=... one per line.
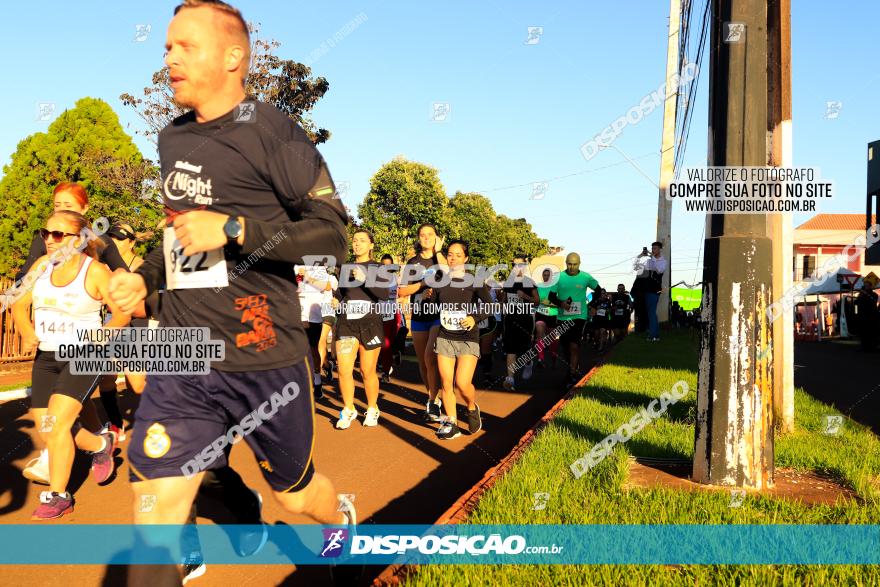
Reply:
x=247, y=196
x=359, y=329
x=462, y=307
x=425, y=325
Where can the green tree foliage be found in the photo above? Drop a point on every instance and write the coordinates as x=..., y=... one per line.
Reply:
x=85, y=144
x=285, y=83
x=404, y=194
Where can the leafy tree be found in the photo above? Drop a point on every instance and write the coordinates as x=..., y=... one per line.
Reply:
x=473, y=219
x=517, y=237
x=403, y=194
x=285, y=83
x=85, y=144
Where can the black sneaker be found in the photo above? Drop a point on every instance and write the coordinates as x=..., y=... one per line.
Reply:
x=432, y=412
x=385, y=378
x=328, y=371
x=319, y=391
x=193, y=568
x=475, y=422
x=448, y=431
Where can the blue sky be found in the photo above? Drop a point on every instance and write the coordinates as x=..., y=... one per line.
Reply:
x=519, y=112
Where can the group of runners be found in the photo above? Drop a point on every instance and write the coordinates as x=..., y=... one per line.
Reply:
x=287, y=322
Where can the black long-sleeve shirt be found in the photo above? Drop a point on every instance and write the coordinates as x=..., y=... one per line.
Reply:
x=257, y=164
x=455, y=303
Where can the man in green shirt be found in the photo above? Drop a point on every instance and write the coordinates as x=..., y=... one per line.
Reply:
x=545, y=318
x=569, y=294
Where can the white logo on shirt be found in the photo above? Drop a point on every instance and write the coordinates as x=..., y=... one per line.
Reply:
x=185, y=181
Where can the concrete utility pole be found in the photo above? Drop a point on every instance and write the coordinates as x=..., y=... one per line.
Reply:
x=734, y=429
x=667, y=155
x=781, y=227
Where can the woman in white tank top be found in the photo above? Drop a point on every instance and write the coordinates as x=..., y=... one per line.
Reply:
x=69, y=289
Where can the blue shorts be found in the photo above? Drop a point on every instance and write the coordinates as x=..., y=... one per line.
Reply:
x=424, y=326
x=184, y=423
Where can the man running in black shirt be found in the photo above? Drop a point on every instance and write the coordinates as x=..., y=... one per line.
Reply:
x=247, y=196
x=519, y=298
x=622, y=312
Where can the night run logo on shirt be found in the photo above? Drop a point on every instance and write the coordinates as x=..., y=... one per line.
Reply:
x=185, y=181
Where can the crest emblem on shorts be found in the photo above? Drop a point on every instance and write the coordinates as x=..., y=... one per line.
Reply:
x=157, y=442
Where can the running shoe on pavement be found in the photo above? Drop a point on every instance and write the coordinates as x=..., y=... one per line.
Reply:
x=475, y=421
x=448, y=431
x=319, y=390
x=371, y=418
x=194, y=567
x=102, y=461
x=252, y=539
x=37, y=470
x=527, y=372
x=346, y=574
x=53, y=505
x=432, y=411
x=346, y=417
x=509, y=384
x=118, y=433
x=385, y=378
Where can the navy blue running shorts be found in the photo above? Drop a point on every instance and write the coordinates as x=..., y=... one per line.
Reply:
x=184, y=423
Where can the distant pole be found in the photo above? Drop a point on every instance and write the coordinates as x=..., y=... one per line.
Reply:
x=667, y=155
x=734, y=420
x=781, y=226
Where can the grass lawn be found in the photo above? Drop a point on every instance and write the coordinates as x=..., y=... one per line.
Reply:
x=636, y=374
x=14, y=386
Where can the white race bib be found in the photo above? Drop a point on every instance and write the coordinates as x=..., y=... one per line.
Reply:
x=206, y=269
x=483, y=324
x=618, y=312
x=574, y=310
x=451, y=320
x=355, y=309
x=600, y=312
x=388, y=308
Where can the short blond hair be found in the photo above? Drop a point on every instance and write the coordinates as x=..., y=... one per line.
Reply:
x=233, y=22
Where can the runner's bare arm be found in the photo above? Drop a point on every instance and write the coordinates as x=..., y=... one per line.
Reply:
x=98, y=281
x=21, y=310
x=153, y=270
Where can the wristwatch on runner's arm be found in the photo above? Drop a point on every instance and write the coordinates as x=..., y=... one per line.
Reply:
x=232, y=229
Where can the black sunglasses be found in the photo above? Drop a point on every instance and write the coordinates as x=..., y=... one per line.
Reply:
x=57, y=235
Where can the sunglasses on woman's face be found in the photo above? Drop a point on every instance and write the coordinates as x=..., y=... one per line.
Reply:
x=56, y=235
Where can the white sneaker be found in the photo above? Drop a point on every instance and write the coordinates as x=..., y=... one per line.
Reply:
x=346, y=417
x=527, y=372
x=37, y=470
x=508, y=384
x=371, y=418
